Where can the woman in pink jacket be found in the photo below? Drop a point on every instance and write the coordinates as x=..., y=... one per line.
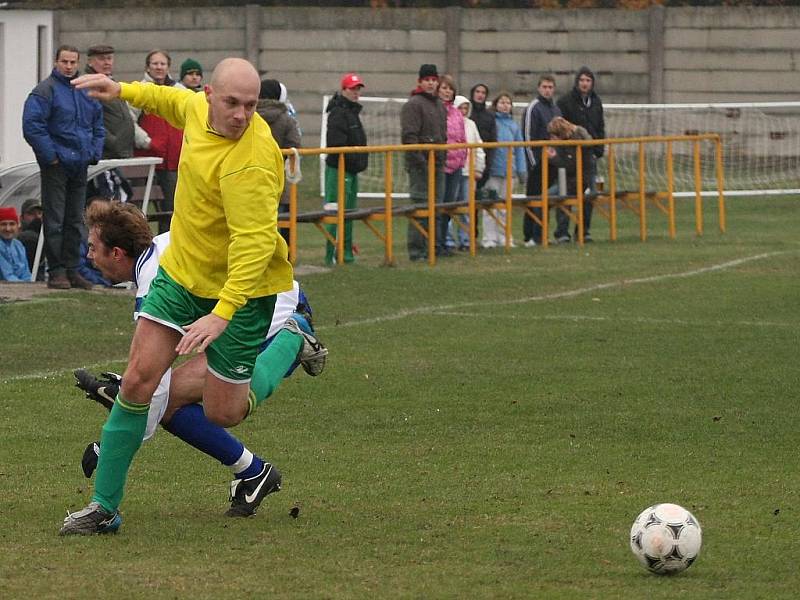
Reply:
x=456, y=159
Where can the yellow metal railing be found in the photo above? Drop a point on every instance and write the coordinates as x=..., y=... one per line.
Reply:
x=611, y=196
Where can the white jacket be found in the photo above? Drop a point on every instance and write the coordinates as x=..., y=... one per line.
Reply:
x=473, y=137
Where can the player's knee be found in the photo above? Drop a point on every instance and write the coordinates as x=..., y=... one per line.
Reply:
x=224, y=415
x=138, y=387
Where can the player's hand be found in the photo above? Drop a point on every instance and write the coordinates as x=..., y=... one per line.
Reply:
x=201, y=333
x=98, y=85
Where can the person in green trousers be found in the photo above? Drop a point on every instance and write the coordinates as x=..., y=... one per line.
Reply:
x=344, y=129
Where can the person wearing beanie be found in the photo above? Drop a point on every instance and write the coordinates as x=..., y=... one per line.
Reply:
x=423, y=120
x=344, y=129
x=191, y=75
x=13, y=260
x=583, y=107
x=284, y=129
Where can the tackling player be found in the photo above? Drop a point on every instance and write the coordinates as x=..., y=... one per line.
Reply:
x=118, y=246
x=217, y=281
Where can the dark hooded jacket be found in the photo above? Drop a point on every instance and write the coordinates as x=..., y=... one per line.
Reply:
x=586, y=112
x=487, y=125
x=423, y=120
x=283, y=126
x=345, y=129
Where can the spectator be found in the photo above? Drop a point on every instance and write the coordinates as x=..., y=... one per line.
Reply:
x=494, y=232
x=473, y=137
x=30, y=226
x=344, y=129
x=423, y=120
x=119, y=128
x=192, y=75
x=583, y=107
x=455, y=161
x=284, y=98
x=284, y=129
x=13, y=262
x=64, y=126
x=156, y=137
x=487, y=128
x=565, y=157
x=534, y=127
x=485, y=121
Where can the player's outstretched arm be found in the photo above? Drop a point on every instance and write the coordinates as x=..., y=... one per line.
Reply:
x=98, y=85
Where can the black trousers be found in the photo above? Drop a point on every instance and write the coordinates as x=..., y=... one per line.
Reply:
x=63, y=203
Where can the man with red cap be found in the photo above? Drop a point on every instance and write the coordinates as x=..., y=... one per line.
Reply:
x=13, y=260
x=344, y=129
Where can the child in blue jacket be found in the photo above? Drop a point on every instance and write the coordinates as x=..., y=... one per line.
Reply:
x=507, y=131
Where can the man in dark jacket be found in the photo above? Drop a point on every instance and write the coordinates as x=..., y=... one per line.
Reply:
x=283, y=127
x=582, y=106
x=423, y=120
x=117, y=118
x=344, y=129
x=64, y=126
x=537, y=116
x=119, y=127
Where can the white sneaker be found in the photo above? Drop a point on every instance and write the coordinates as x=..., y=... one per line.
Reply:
x=530, y=244
x=489, y=245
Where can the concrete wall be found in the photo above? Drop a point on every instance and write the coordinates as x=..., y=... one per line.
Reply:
x=655, y=55
x=729, y=55
x=25, y=61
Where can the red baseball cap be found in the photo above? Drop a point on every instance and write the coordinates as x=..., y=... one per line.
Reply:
x=351, y=80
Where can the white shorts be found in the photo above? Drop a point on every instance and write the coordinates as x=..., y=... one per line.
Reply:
x=158, y=406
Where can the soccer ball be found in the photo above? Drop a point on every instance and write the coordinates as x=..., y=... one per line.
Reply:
x=666, y=538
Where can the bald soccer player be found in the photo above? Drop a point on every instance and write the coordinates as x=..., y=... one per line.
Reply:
x=217, y=281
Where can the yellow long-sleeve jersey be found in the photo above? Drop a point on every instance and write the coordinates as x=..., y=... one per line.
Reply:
x=224, y=233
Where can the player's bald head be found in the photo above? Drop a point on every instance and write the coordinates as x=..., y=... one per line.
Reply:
x=235, y=73
x=232, y=97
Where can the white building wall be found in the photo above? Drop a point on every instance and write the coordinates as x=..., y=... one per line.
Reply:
x=26, y=57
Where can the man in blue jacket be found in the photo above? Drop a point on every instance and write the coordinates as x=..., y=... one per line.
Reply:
x=64, y=126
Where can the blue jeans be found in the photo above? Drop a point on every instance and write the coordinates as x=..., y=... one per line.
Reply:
x=452, y=193
x=455, y=232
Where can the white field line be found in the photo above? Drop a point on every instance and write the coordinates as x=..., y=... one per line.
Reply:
x=424, y=310
x=617, y=319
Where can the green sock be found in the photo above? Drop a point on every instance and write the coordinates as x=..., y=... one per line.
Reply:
x=121, y=438
x=271, y=366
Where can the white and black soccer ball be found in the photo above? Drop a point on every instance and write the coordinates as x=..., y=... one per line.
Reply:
x=666, y=538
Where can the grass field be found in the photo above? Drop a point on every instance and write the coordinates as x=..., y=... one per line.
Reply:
x=485, y=428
